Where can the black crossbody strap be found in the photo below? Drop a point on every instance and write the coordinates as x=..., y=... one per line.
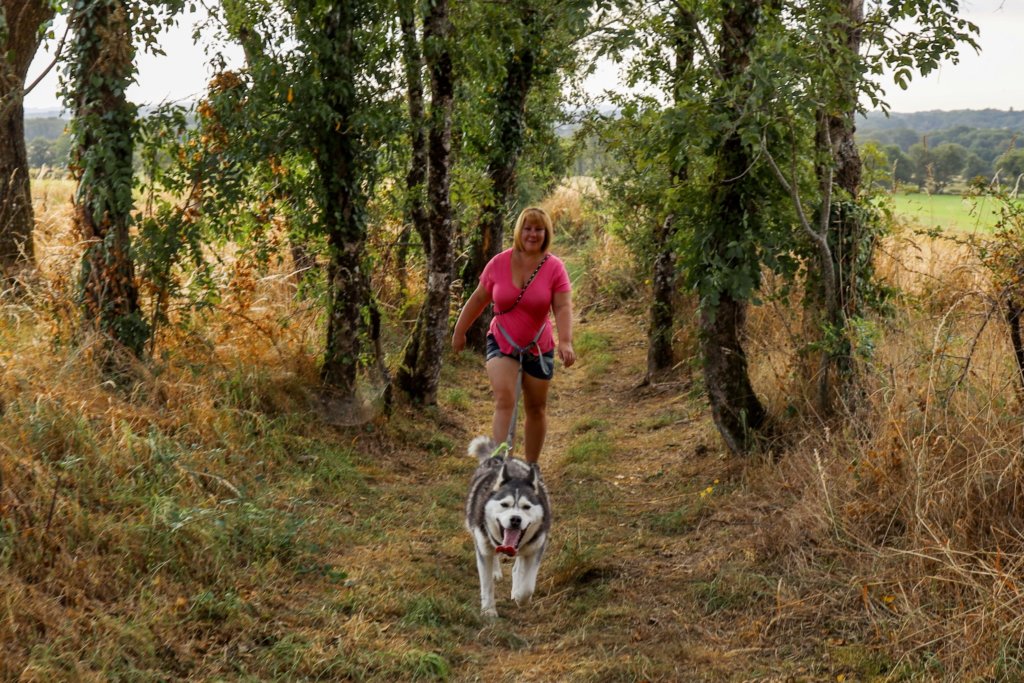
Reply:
x=523, y=290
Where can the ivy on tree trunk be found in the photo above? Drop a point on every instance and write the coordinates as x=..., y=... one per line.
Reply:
x=338, y=159
x=416, y=217
x=103, y=131
x=661, y=327
x=732, y=234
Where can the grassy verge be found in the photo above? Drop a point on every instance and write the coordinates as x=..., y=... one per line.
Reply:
x=945, y=211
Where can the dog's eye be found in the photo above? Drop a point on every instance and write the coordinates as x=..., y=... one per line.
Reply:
x=506, y=505
x=526, y=506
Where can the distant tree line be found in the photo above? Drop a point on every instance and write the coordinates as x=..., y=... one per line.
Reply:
x=931, y=121
x=934, y=160
x=46, y=142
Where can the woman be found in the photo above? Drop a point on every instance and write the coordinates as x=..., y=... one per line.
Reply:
x=524, y=283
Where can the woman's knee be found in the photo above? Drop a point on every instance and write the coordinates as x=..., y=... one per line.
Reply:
x=536, y=411
x=504, y=400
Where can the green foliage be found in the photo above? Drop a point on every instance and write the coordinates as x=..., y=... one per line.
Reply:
x=1011, y=163
x=499, y=36
x=1002, y=253
x=637, y=180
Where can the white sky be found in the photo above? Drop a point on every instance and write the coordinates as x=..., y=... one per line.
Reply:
x=987, y=80
x=990, y=79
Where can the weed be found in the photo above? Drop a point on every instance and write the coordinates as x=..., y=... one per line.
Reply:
x=591, y=448
x=867, y=663
x=680, y=520
x=589, y=424
x=333, y=473
x=730, y=591
x=456, y=398
x=426, y=666
x=439, y=444
x=214, y=606
x=589, y=342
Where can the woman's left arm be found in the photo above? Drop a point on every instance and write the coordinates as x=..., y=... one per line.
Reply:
x=562, y=305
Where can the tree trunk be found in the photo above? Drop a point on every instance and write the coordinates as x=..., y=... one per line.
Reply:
x=420, y=372
x=103, y=127
x=847, y=249
x=19, y=42
x=1013, y=315
x=415, y=179
x=737, y=412
x=344, y=209
x=509, y=128
x=841, y=171
x=661, y=329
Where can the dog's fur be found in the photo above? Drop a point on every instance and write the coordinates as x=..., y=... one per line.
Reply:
x=507, y=505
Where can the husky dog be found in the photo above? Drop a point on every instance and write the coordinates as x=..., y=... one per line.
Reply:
x=506, y=512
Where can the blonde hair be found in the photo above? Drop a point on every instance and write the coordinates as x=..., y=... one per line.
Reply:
x=537, y=214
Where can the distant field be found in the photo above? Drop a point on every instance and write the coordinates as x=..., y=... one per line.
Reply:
x=946, y=211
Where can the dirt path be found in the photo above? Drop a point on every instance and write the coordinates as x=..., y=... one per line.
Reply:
x=652, y=572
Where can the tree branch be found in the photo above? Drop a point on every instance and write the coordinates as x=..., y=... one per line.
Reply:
x=53, y=62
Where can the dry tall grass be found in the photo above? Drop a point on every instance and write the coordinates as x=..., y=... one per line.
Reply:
x=121, y=497
x=904, y=516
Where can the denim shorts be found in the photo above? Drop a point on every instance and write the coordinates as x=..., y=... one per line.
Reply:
x=531, y=362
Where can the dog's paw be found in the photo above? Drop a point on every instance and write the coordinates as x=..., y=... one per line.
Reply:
x=522, y=597
x=489, y=613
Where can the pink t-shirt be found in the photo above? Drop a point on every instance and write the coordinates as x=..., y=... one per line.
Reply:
x=523, y=322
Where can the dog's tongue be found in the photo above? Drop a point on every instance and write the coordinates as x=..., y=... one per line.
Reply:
x=511, y=538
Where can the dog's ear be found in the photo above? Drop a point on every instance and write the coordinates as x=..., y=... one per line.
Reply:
x=503, y=476
x=533, y=478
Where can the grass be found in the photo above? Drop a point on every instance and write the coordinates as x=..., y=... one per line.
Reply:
x=945, y=211
x=200, y=521
x=594, y=351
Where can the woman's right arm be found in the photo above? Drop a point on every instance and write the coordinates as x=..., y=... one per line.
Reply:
x=475, y=305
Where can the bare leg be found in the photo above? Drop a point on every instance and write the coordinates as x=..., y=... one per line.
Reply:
x=535, y=404
x=502, y=372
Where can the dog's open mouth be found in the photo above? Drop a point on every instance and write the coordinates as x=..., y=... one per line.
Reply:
x=510, y=542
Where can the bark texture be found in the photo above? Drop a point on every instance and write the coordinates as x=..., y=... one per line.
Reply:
x=416, y=217
x=839, y=178
x=18, y=46
x=420, y=371
x=1013, y=316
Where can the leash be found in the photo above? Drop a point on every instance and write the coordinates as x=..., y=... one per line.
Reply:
x=521, y=352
